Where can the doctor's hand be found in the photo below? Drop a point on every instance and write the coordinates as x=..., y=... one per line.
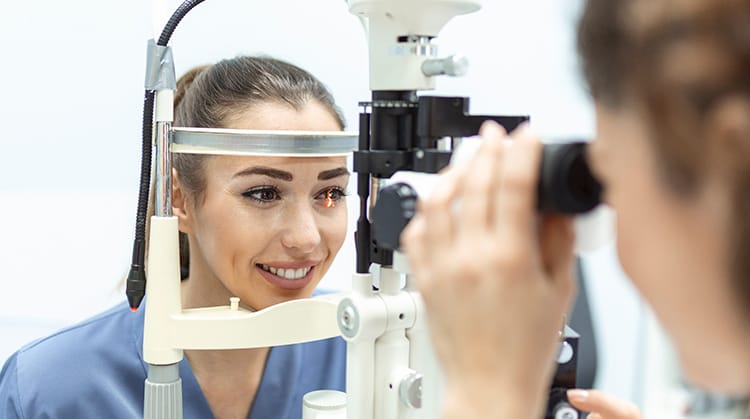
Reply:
x=496, y=279
x=602, y=406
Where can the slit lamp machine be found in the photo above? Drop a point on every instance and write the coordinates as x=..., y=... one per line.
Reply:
x=403, y=138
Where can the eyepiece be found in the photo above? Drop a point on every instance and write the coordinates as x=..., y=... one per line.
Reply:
x=566, y=184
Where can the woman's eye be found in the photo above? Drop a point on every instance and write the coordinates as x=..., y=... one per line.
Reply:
x=331, y=196
x=263, y=195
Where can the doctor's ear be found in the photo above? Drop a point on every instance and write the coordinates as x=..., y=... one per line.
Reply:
x=181, y=204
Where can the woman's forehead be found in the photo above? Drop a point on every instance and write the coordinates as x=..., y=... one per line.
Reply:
x=290, y=164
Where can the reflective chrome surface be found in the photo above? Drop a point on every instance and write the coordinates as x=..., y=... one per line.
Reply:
x=163, y=159
x=254, y=142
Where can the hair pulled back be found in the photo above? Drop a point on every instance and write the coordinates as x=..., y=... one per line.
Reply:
x=209, y=96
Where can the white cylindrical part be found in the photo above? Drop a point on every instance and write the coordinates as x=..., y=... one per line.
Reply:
x=324, y=404
x=162, y=291
x=360, y=373
x=401, y=264
x=164, y=106
x=390, y=281
x=422, y=358
x=455, y=65
x=391, y=354
x=362, y=284
x=368, y=321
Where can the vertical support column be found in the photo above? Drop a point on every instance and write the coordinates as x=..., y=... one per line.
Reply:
x=391, y=348
x=361, y=320
x=163, y=393
x=163, y=387
x=422, y=358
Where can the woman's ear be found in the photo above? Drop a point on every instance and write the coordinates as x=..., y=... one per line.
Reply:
x=181, y=204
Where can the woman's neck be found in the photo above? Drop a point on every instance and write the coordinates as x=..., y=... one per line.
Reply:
x=229, y=378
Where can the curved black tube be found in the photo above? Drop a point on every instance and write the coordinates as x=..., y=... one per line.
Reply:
x=136, y=282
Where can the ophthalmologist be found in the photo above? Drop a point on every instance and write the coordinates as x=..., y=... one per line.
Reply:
x=670, y=81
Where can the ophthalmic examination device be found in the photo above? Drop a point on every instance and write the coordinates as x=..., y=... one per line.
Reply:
x=391, y=370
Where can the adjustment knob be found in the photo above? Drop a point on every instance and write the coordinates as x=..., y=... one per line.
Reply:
x=455, y=65
x=393, y=210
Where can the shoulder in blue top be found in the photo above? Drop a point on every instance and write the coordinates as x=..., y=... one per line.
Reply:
x=95, y=369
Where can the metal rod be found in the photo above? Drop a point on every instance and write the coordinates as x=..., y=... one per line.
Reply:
x=163, y=170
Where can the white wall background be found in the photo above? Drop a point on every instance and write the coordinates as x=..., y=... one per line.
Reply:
x=72, y=85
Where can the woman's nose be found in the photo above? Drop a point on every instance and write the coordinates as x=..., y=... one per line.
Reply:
x=301, y=232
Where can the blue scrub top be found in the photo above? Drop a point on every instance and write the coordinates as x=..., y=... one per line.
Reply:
x=96, y=370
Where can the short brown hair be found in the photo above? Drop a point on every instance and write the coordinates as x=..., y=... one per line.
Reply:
x=681, y=59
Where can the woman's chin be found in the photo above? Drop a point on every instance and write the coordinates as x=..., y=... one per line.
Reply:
x=274, y=295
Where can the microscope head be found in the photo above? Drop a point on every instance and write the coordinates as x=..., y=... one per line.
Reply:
x=400, y=33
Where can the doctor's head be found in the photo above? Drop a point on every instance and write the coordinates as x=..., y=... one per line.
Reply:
x=671, y=84
x=264, y=229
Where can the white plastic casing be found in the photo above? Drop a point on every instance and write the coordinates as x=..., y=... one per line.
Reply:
x=360, y=348
x=162, y=292
x=286, y=323
x=387, y=20
x=168, y=329
x=164, y=106
x=324, y=404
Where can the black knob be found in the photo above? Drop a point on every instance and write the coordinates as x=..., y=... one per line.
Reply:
x=394, y=208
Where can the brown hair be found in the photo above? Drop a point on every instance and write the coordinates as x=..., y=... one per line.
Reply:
x=683, y=59
x=209, y=96
x=603, y=45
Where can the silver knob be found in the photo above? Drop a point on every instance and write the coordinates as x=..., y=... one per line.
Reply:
x=565, y=411
x=348, y=317
x=410, y=390
x=565, y=353
x=455, y=65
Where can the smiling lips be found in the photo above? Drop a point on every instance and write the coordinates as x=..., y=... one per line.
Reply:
x=287, y=278
x=286, y=273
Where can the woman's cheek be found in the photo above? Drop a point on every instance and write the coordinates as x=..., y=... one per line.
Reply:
x=335, y=227
x=341, y=226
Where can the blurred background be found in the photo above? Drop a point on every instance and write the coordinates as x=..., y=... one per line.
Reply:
x=72, y=88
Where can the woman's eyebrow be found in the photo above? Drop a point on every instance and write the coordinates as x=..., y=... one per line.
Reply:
x=333, y=173
x=266, y=171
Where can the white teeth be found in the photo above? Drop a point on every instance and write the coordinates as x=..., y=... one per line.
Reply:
x=286, y=273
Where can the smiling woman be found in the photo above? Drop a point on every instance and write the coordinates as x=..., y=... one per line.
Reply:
x=264, y=229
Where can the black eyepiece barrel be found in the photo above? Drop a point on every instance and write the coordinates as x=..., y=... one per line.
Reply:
x=566, y=184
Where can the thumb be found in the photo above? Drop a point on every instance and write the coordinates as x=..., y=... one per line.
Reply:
x=606, y=406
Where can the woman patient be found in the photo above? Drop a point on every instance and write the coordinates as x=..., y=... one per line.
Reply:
x=264, y=229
